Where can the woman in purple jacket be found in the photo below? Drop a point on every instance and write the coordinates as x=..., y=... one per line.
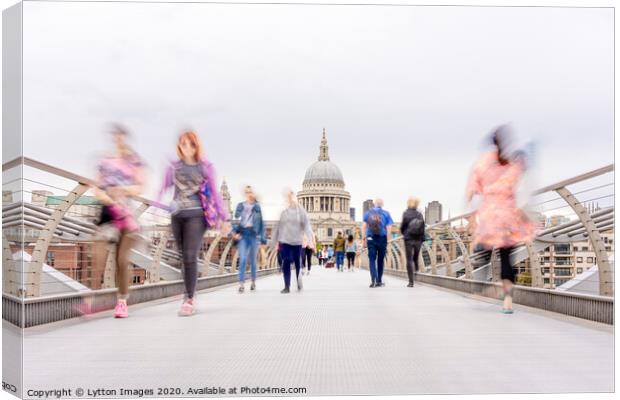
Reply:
x=196, y=207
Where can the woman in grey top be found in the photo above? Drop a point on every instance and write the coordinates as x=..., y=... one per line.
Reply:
x=289, y=233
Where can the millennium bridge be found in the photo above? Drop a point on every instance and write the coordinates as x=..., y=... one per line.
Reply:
x=336, y=336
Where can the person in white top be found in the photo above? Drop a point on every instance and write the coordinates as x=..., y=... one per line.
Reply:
x=294, y=225
x=350, y=247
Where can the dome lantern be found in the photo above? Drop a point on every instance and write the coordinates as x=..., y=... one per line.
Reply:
x=324, y=149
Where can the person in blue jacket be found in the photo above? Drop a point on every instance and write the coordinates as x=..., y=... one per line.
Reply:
x=248, y=232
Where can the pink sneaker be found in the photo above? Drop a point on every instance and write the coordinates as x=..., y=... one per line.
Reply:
x=187, y=308
x=120, y=311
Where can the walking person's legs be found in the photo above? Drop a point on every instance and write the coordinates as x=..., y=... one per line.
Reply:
x=417, y=245
x=125, y=244
x=243, y=249
x=309, y=259
x=381, y=251
x=193, y=231
x=189, y=231
x=176, y=226
x=286, y=266
x=123, y=247
x=296, y=252
x=101, y=249
x=372, y=261
x=409, y=254
x=508, y=278
x=253, y=252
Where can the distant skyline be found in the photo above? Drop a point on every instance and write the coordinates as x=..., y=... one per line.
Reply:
x=407, y=95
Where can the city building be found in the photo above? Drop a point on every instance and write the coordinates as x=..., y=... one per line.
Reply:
x=555, y=220
x=86, y=208
x=562, y=262
x=324, y=197
x=433, y=212
x=226, y=197
x=352, y=213
x=368, y=204
x=7, y=197
x=584, y=254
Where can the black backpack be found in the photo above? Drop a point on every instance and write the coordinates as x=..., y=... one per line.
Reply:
x=415, y=226
x=375, y=222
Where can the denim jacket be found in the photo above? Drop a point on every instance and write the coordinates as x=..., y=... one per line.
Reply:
x=257, y=221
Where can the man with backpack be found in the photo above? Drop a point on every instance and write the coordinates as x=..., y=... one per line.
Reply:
x=412, y=229
x=376, y=230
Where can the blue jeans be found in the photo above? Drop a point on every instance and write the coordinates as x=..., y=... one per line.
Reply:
x=377, y=247
x=339, y=259
x=290, y=254
x=248, y=247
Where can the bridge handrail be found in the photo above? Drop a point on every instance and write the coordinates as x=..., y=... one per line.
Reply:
x=61, y=222
x=587, y=227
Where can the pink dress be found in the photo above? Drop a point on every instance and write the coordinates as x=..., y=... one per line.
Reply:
x=498, y=220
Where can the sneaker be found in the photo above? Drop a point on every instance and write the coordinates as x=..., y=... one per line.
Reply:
x=380, y=284
x=372, y=285
x=187, y=308
x=285, y=290
x=253, y=286
x=410, y=284
x=120, y=311
x=507, y=311
x=241, y=289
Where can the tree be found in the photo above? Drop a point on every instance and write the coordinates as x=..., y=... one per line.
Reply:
x=524, y=279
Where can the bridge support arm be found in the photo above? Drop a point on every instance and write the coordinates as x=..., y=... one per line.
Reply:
x=33, y=275
x=535, y=269
x=469, y=271
x=605, y=278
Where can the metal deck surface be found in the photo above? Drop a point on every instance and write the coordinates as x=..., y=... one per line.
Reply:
x=336, y=336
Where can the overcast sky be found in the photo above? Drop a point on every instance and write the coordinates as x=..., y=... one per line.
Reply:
x=407, y=94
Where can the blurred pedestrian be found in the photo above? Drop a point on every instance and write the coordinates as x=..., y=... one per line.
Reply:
x=120, y=176
x=308, y=251
x=412, y=229
x=339, y=251
x=376, y=229
x=351, y=251
x=500, y=224
x=197, y=206
x=289, y=232
x=249, y=232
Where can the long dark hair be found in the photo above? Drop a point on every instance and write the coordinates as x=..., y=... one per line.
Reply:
x=500, y=137
x=350, y=239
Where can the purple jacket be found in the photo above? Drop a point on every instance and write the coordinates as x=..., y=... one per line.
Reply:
x=212, y=203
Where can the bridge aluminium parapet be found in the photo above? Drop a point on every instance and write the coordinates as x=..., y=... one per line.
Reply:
x=590, y=307
x=34, y=311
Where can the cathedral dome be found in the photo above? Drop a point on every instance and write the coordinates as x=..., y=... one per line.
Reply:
x=323, y=170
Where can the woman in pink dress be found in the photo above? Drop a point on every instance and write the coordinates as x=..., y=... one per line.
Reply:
x=498, y=222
